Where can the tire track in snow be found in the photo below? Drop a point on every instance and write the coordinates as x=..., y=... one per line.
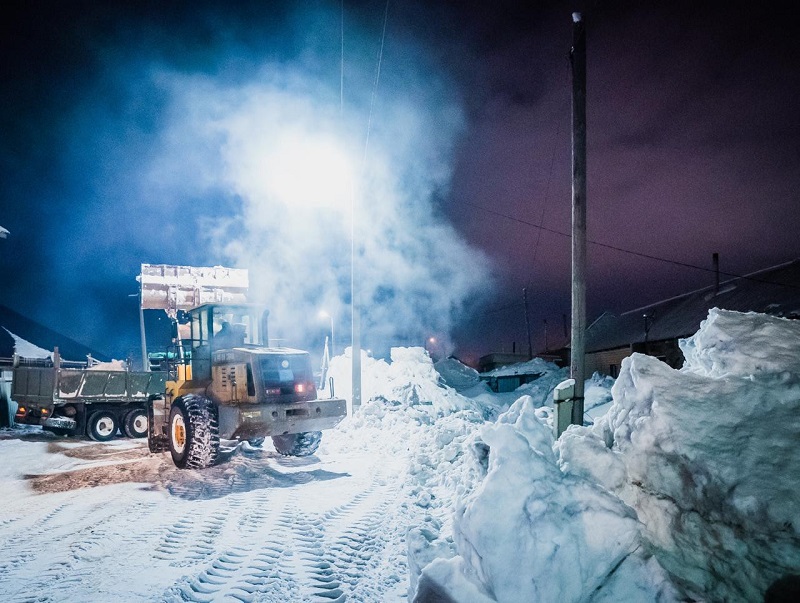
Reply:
x=189, y=541
x=21, y=551
x=76, y=538
x=363, y=538
x=249, y=570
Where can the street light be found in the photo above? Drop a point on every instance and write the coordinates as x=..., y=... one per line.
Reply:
x=429, y=349
x=324, y=314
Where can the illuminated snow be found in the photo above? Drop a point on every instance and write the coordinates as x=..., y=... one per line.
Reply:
x=685, y=481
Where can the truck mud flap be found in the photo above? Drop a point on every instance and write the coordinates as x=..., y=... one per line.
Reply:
x=156, y=438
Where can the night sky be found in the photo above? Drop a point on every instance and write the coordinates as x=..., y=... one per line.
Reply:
x=693, y=132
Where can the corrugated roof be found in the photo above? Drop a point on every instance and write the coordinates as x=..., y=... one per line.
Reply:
x=773, y=291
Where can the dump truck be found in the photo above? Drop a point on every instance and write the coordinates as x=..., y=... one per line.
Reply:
x=225, y=382
x=76, y=398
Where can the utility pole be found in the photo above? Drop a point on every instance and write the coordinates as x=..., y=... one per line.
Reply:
x=546, y=344
x=527, y=321
x=578, y=62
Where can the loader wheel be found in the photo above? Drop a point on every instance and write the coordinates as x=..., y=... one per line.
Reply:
x=102, y=426
x=136, y=423
x=193, y=432
x=297, y=444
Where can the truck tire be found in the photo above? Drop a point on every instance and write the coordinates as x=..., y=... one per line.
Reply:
x=193, y=432
x=297, y=444
x=135, y=423
x=102, y=426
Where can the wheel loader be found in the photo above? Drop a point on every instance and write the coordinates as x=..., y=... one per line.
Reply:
x=225, y=382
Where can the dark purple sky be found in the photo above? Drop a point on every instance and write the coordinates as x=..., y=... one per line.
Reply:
x=693, y=133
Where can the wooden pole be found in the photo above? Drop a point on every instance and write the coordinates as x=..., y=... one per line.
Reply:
x=527, y=322
x=578, y=62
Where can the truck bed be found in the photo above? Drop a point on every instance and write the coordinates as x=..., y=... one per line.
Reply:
x=47, y=385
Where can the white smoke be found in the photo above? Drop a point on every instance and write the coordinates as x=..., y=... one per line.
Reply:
x=297, y=165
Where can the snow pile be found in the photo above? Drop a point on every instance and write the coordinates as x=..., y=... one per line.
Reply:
x=457, y=375
x=708, y=455
x=597, y=396
x=112, y=365
x=412, y=418
x=531, y=367
x=540, y=389
x=531, y=533
x=409, y=381
x=730, y=344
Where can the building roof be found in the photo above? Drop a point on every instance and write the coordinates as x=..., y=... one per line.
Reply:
x=773, y=291
x=40, y=336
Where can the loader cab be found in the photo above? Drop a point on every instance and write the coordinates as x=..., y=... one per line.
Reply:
x=214, y=327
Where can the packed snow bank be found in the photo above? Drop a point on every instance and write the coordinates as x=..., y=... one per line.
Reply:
x=743, y=345
x=531, y=367
x=425, y=428
x=708, y=455
x=410, y=381
x=456, y=374
x=531, y=533
x=438, y=441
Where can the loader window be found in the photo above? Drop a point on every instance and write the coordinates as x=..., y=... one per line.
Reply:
x=285, y=370
x=251, y=386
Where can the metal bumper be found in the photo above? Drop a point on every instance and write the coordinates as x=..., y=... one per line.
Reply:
x=261, y=420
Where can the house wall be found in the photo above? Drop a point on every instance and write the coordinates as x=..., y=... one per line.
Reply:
x=608, y=362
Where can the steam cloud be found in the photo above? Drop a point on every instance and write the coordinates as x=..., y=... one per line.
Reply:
x=297, y=168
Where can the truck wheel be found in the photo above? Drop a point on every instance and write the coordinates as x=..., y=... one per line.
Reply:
x=297, y=444
x=102, y=426
x=193, y=432
x=136, y=424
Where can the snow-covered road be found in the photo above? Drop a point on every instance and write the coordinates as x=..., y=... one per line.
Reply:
x=110, y=521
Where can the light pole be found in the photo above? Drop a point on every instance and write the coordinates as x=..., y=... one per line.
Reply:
x=324, y=314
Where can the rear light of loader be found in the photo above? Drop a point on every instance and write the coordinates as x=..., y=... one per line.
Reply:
x=273, y=391
x=306, y=389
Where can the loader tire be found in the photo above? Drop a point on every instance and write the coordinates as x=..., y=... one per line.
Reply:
x=135, y=424
x=297, y=444
x=193, y=432
x=102, y=426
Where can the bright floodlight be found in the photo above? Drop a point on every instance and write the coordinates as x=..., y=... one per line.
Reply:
x=311, y=172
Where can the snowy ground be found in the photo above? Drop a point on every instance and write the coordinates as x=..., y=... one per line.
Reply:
x=88, y=521
x=681, y=486
x=94, y=522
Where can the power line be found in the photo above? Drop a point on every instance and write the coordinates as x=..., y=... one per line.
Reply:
x=628, y=251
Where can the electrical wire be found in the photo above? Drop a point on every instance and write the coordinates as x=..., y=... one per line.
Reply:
x=375, y=84
x=629, y=251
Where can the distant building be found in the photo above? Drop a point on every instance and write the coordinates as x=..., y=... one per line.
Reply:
x=509, y=377
x=497, y=360
x=656, y=329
